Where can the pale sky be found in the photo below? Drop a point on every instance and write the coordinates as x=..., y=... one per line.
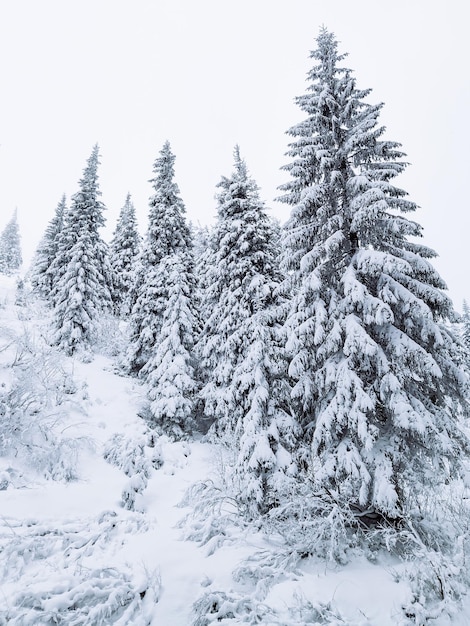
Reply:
x=207, y=74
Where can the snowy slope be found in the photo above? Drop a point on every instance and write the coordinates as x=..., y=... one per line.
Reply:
x=71, y=553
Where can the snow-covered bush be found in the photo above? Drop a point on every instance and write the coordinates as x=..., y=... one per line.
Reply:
x=213, y=518
x=219, y=607
x=132, y=493
x=35, y=390
x=4, y=480
x=217, y=511
x=155, y=449
x=434, y=543
x=305, y=612
x=315, y=524
x=266, y=568
x=111, y=336
x=130, y=456
x=59, y=460
x=216, y=607
x=20, y=294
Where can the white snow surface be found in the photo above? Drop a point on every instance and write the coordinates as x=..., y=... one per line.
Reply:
x=151, y=541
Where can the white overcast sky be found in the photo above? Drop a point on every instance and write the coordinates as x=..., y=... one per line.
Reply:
x=207, y=74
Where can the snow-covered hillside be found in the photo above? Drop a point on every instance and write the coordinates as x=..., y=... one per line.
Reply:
x=103, y=523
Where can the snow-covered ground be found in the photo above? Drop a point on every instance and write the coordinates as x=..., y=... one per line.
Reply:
x=72, y=553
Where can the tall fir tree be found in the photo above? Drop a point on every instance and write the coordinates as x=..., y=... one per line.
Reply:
x=203, y=255
x=167, y=234
x=163, y=322
x=124, y=250
x=41, y=276
x=10, y=247
x=376, y=388
x=241, y=352
x=170, y=371
x=466, y=328
x=82, y=291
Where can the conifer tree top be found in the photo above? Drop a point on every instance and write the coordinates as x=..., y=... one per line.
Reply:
x=163, y=181
x=88, y=183
x=167, y=231
x=86, y=207
x=237, y=188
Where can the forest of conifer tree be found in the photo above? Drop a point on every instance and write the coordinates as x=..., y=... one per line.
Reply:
x=322, y=357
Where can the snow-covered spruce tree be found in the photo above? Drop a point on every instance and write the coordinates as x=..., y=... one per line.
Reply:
x=265, y=431
x=82, y=291
x=163, y=321
x=241, y=349
x=170, y=371
x=123, y=252
x=203, y=261
x=10, y=247
x=42, y=279
x=167, y=234
x=466, y=327
x=376, y=388
x=203, y=252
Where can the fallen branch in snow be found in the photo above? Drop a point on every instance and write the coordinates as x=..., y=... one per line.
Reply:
x=86, y=598
x=55, y=566
x=219, y=607
x=215, y=607
x=24, y=543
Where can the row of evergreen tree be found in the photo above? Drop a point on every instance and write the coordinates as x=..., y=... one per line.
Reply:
x=322, y=348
